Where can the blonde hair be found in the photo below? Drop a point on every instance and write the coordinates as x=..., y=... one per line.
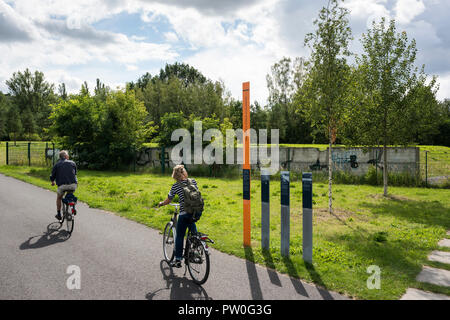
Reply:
x=179, y=172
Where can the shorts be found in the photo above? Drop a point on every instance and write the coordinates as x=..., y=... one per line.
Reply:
x=66, y=187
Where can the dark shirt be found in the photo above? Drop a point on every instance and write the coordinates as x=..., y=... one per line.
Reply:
x=177, y=189
x=64, y=172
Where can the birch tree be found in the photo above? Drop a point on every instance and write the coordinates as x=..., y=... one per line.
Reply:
x=322, y=95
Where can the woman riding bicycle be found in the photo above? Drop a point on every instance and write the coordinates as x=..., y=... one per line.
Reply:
x=184, y=219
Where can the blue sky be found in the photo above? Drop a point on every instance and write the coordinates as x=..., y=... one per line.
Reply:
x=232, y=41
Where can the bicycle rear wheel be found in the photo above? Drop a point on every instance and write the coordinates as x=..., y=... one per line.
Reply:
x=70, y=221
x=198, y=262
x=169, y=242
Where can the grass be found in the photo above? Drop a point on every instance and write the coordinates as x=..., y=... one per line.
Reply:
x=395, y=233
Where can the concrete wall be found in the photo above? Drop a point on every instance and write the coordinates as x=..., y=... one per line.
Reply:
x=354, y=160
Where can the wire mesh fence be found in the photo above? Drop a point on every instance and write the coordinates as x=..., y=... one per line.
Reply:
x=435, y=167
x=21, y=153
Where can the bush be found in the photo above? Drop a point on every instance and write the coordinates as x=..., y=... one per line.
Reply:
x=101, y=134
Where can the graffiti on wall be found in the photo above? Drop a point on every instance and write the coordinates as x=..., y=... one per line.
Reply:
x=343, y=157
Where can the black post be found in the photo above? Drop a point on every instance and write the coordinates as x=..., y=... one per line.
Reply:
x=285, y=213
x=163, y=160
x=7, y=153
x=265, y=210
x=426, y=169
x=307, y=217
x=29, y=154
x=53, y=154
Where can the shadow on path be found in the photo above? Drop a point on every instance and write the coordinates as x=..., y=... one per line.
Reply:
x=273, y=275
x=180, y=288
x=318, y=280
x=255, y=286
x=294, y=274
x=53, y=235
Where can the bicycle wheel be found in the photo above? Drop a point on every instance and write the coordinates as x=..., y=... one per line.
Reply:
x=70, y=221
x=198, y=262
x=169, y=242
x=63, y=215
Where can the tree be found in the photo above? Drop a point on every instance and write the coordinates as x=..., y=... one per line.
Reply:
x=102, y=134
x=284, y=81
x=187, y=74
x=424, y=112
x=14, y=124
x=169, y=123
x=397, y=102
x=84, y=89
x=4, y=108
x=323, y=92
x=62, y=91
x=34, y=96
x=100, y=90
x=443, y=136
x=181, y=88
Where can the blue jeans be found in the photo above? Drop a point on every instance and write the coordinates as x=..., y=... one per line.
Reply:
x=184, y=221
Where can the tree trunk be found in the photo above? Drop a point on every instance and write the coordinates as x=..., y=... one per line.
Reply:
x=330, y=176
x=385, y=172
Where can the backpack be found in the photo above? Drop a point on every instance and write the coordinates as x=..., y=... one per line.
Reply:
x=193, y=201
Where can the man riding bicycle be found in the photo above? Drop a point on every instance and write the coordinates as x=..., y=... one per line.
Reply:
x=184, y=219
x=64, y=172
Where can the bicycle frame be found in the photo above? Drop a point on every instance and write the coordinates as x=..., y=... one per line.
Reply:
x=202, y=237
x=194, y=240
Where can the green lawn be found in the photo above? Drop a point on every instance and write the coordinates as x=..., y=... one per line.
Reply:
x=395, y=234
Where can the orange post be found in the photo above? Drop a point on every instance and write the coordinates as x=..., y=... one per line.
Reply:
x=246, y=167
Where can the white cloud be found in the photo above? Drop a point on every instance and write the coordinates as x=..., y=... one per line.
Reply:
x=232, y=40
x=368, y=10
x=171, y=36
x=444, y=86
x=407, y=10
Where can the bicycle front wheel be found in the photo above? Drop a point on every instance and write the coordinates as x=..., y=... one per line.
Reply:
x=198, y=262
x=169, y=242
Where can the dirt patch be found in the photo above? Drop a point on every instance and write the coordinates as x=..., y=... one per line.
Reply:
x=338, y=214
x=379, y=196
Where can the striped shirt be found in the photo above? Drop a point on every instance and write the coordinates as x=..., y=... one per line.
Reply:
x=177, y=189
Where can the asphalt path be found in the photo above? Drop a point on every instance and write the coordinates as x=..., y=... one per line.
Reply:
x=110, y=257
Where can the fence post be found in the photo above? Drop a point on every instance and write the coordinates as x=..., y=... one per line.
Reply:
x=163, y=160
x=426, y=169
x=29, y=154
x=134, y=159
x=53, y=154
x=7, y=153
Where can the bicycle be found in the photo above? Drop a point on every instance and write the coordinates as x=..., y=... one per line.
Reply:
x=69, y=201
x=196, y=250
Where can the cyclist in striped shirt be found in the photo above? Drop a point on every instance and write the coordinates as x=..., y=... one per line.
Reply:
x=184, y=219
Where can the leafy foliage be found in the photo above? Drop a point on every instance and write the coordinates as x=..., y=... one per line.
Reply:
x=102, y=134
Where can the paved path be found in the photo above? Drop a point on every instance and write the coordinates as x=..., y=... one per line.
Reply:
x=435, y=276
x=117, y=258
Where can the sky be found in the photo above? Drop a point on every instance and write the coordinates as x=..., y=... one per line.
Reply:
x=233, y=41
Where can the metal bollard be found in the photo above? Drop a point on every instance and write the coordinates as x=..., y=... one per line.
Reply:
x=307, y=217
x=285, y=214
x=265, y=210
